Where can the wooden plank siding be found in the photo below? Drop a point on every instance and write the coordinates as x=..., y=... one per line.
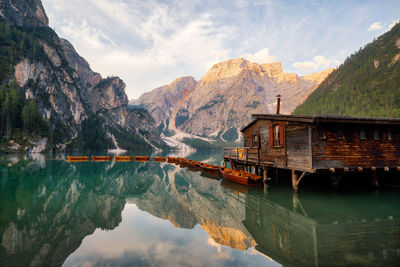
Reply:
x=298, y=146
x=295, y=152
x=351, y=151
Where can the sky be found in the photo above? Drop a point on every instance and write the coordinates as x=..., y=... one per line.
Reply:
x=151, y=43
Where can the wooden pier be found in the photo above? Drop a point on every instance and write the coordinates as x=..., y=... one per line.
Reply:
x=312, y=144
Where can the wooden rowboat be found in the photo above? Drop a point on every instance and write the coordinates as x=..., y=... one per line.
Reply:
x=241, y=177
x=122, y=158
x=178, y=161
x=78, y=158
x=210, y=168
x=172, y=159
x=194, y=165
x=159, y=159
x=142, y=158
x=184, y=162
x=101, y=158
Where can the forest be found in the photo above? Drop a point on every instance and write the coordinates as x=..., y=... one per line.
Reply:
x=367, y=84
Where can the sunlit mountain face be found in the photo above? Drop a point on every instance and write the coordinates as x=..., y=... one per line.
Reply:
x=55, y=213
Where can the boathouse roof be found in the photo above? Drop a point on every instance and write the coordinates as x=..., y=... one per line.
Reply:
x=325, y=119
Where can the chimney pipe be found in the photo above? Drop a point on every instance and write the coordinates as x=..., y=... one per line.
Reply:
x=278, y=103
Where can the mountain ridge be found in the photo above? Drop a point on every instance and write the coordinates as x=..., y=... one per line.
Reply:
x=222, y=101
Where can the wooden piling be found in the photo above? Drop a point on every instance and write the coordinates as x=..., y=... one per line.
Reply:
x=294, y=181
x=375, y=181
x=265, y=174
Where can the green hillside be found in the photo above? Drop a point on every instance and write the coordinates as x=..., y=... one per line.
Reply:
x=367, y=84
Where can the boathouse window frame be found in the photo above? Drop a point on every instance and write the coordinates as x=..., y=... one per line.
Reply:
x=389, y=135
x=277, y=135
x=363, y=134
x=321, y=133
x=340, y=134
x=255, y=141
x=377, y=134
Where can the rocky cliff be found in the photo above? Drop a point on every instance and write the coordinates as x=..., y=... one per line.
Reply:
x=69, y=95
x=222, y=102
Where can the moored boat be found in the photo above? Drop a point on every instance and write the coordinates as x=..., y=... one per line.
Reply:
x=78, y=158
x=193, y=165
x=241, y=177
x=142, y=158
x=123, y=158
x=101, y=158
x=172, y=159
x=210, y=168
x=159, y=159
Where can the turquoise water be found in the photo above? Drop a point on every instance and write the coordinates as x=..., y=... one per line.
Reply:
x=55, y=213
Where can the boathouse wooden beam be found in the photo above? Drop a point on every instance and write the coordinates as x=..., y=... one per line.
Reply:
x=386, y=169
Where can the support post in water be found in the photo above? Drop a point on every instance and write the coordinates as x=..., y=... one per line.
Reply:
x=375, y=181
x=265, y=174
x=294, y=181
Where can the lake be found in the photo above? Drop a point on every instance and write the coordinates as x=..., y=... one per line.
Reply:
x=55, y=213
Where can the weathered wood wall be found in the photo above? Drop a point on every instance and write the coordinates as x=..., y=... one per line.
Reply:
x=295, y=154
x=351, y=151
x=298, y=146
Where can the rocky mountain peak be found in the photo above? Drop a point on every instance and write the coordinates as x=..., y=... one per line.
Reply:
x=24, y=13
x=225, y=70
x=234, y=67
x=272, y=69
x=182, y=83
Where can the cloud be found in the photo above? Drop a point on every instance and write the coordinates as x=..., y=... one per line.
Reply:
x=261, y=56
x=318, y=62
x=392, y=24
x=148, y=44
x=375, y=26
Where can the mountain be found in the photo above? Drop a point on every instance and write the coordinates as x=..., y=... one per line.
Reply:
x=367, y=84
x=44, y=220
x=222, y=102
x=45, y=82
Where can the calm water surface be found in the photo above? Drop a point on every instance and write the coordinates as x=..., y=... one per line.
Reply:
x=55, y=213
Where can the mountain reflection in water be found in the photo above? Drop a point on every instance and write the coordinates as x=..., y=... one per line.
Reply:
x=128, y=213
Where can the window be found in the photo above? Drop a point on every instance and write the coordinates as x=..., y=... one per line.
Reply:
x=277, y=135
x=377, y=134
x=321, y=134
x=255, y=140
x=389, y=134
x=363, y=134
x=340, y=135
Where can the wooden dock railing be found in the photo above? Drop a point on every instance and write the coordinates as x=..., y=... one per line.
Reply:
x=246, y=154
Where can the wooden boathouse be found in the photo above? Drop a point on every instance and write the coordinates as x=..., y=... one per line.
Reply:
x=311, y=144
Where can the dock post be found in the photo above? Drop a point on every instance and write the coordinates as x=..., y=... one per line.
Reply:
x=335, y=179
x=265, y=175
x=294, y=181
x=375, y=181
